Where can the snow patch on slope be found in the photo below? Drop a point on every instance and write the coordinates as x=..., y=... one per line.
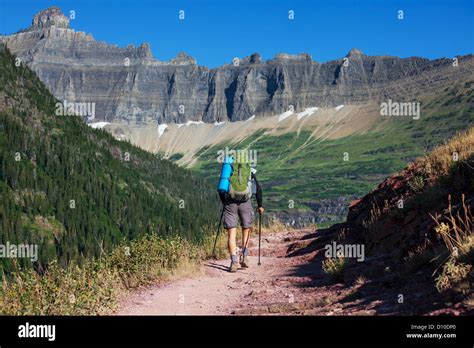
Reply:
x=285, y=115
x=193, y=122
x=339, y=107
x=98, y=125
x=307, y=112
x=161, y=129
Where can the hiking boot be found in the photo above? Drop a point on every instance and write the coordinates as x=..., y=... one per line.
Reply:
x=244, y=261
x=234, y=266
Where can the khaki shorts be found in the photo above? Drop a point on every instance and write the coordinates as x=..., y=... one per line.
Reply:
x=234, y=211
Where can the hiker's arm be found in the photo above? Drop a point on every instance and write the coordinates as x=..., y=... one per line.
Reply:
x=259, y=191
x=222, y=197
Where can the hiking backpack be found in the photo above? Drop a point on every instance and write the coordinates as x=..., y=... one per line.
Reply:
x=240, y=182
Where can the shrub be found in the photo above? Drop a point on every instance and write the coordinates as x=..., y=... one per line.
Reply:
x=417, y=183
x=94, y=288
x=452, y=274
x=455, y=229
x=335, y=267
x=91, y=289
x=221, y=246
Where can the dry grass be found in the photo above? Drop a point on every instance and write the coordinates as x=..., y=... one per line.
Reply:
x=447, y=166
x=335, y=267
x=374, y=223
x=439, y=162
x=456, y=230
x=96, y=287
x=417, y=183
x=452, y=274
x=429, y=169
x=455, y=224
x=221, y=246
x=360, y=281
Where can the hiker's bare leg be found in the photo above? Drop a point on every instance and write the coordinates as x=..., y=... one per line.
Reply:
x=231, y=244
x=244, y=262
x=245, y=237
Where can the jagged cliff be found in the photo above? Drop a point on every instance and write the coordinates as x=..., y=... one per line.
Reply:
x=130, y=85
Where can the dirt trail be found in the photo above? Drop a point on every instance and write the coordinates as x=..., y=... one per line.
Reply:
x=279, y=285
x=290, y=281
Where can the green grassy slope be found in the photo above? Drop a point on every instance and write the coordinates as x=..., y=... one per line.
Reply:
x=318, y=171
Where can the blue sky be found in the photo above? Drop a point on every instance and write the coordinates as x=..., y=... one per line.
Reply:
x=215, y=31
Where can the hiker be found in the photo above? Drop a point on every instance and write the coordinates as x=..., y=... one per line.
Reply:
x=237, y=205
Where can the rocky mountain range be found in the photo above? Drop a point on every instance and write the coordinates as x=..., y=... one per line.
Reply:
x=128, y=85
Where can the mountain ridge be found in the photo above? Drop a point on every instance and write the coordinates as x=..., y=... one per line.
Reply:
x=129, y=85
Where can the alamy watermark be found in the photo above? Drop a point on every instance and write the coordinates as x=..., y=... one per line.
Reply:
x=405, y=109
x=85, y=109
x=241, y=156
x=28, y=330
x=13, y=251
x=335, y=250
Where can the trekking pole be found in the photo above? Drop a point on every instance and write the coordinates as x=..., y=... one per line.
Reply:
x=259, y=235
x=217, y=234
